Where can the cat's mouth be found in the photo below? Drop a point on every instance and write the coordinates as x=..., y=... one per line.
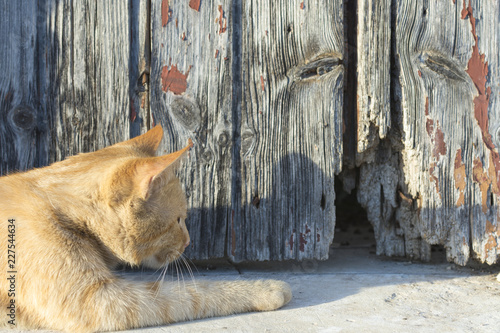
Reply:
x=160, y=260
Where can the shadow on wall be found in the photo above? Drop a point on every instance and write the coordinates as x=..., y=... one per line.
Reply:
x=286, y=214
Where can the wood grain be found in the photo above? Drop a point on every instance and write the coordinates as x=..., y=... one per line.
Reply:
x=191, y=92
x=290, y=130
x=373, y=74
x=446, y=192
x=20, y=108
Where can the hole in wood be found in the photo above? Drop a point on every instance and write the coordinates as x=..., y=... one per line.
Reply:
x=256, y=201
x=442, y=65
x=352, y=228
x=321, y=66
x=323, y=201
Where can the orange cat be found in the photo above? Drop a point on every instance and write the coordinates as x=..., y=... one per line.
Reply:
x=67, y=225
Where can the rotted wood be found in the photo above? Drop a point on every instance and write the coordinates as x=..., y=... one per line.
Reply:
x=290, y=130
x=448, y=92
x=373, y=75
x=191, y=96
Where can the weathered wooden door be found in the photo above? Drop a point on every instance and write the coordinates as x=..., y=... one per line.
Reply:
x=434, y=178
x=278, y=97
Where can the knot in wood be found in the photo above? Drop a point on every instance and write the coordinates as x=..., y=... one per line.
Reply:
x=23, y=118
x=223, y=139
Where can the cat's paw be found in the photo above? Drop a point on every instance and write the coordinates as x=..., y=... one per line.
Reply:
x=271, y=294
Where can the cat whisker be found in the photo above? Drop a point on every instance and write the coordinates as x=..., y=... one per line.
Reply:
x=186, y=263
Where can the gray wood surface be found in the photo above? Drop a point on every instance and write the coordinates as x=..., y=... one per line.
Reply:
x=191, y=96
x=65, y=83
x=446, y=190
x=291, y=129
x=373, y=75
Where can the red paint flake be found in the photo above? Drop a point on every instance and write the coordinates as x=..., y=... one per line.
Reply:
x=174, y=80
x=262, y=83
x=481, y=177
x=216, y=53
x=225, y=58
x=302, y=243
x=434, y=178
x=419, y=73
x=221, y=20
x=176, y=22
x=133, y=114
x=183, y=36
x=460, y=177
x=302, y=6
x=477, y=68
x=165, y=13
x=195, y=4
x=435, y=133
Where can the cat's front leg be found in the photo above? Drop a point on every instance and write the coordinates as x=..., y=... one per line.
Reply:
x=209, y=299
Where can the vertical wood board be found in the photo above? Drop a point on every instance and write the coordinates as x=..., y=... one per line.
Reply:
x=191, y=93
x=290, y=130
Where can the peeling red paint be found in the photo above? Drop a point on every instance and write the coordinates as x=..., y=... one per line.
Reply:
x=176, y=22
x=216, y=53
x=419, y=73
x=262, y=83
x=460, y=177
x=302, y=243
x=221, y=20
x=173, y=80
x=133, y=114
x=437, y=140
x=480, y=177
x=143, y=101
x=477, y=68
x=490, y=228
x=434, y=178
x=302, y=6
x=195, y=4
x=183, y=36
x=165, y=12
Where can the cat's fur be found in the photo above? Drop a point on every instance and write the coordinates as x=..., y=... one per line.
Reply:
x=77, y=219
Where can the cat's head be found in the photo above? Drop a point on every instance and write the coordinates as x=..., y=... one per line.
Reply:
x=147, y=201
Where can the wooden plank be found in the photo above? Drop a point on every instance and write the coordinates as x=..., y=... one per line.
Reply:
x=448, y=185
x=290, y=130
x=373, y=74
x=483, y=68
x=21, y=113
x=87, y=78
x=191, y=93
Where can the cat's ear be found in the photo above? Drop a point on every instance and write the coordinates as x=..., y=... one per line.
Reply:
x=148, y=142
x=156, y=171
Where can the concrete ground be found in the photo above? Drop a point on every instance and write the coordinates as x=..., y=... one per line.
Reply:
x=358, y=291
